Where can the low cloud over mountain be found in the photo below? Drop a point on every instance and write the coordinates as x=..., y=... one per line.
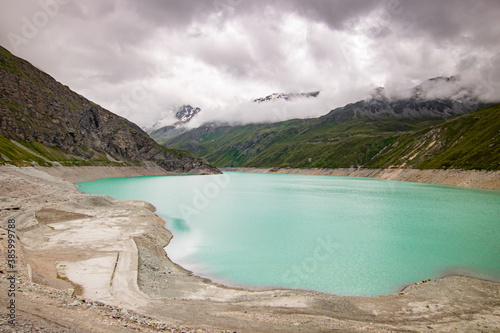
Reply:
x=140, y=58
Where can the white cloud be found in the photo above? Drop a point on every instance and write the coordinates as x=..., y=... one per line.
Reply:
x=162, y=54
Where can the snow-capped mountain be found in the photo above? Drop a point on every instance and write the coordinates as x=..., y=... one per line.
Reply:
x=186, y=113
x=286, y=97
x=175, y=117
x=412, y=127
x=440, y=97
x=171, y=124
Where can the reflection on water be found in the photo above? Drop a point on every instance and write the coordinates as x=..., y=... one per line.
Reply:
x=178, y=225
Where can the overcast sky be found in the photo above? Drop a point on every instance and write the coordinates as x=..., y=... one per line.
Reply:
x=141, y=58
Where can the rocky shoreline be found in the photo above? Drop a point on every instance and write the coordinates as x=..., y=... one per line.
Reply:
x=91, y=263
x=465, y=178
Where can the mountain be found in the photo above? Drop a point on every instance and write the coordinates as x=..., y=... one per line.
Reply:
x=441, y=97
x=286, y=97
x=296, y=143
x=165, y=129
x=186, y=113
x=45, y=122
x=183, y=115
x=349, y=136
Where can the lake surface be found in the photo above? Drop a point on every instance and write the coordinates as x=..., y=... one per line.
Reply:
x=346, y=236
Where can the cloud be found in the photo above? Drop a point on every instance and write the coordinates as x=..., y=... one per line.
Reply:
x=248, y=112
x=445, y=21
x=139, y=59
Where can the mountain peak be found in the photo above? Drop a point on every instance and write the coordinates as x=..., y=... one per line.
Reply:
x=175, y=117
x=287, y=97
x=186, y=113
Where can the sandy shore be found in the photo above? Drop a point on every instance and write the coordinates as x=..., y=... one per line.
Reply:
x=465, y=178
x=90, y=263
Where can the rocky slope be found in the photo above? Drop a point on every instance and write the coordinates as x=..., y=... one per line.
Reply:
x=45, y=122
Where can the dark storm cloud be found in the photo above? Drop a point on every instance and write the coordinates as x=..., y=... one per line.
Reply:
x=139, y=58
x=443, y=21
x=171, y=13
x=179, y=13
x=334, y=13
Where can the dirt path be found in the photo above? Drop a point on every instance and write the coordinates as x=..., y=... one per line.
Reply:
x=95, y=264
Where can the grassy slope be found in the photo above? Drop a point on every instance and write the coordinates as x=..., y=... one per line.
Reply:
x=43, y=155
x=467, y=142
x=471, y=141
x=299, y=143
x=9, y=152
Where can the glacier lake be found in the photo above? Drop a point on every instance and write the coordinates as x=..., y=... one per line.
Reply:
x=339, y=235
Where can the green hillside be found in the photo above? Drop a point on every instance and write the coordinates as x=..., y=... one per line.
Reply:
x=298, y=143
x=469, y=142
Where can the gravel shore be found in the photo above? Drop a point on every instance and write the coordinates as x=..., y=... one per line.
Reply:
x=95, y=264
x=465, y=178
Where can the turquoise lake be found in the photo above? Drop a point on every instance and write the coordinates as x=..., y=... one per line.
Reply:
x=345, y=236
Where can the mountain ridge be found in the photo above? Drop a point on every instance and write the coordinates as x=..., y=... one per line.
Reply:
x=287, y=97
x=186, y=113
x=350, y=136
